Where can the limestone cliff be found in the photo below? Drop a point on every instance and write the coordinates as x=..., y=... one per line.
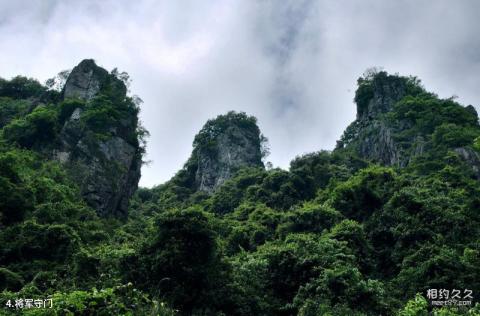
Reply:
x=370, y=135
x=98, y=142
x=398, y=121
x=87, y=79
x=224, y=145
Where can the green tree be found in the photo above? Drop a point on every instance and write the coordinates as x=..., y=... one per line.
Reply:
x=181, y=262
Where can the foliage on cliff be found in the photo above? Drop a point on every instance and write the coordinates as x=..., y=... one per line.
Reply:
x=339, y=233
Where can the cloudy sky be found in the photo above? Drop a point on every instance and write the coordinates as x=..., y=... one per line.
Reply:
x=292, y=64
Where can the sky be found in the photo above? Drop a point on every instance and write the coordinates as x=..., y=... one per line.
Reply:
x=292, y=63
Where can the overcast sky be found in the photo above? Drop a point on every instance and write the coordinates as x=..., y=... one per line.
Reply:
x=292, y=64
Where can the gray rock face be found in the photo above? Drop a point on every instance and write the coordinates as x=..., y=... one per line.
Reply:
x=471, y=157
x=87, y=79
x=370, y=134
x=235, y=148
x=379, y=145
x=382, y=135
x=84, y=80
x=386, y=91
x=228, y=143
x=107, y=168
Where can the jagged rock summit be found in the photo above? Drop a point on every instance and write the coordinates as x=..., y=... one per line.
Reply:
x=370, y=134
x=87, y=79
x=98, y=142
x=398, y=121
x=378, y=95
x=223, y=146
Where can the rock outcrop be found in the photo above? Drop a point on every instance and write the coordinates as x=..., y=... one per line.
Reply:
x=105, y=161
x=471, y=157
x=379, y=145
x=398, y=121
x=370, y=135
x=223, y=146
x=379, y=96
x=87, y=79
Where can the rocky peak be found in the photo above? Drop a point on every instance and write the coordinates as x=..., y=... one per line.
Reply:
x=224, y=145
x=398, y=120
x=103, y=158
x=378, y=93
x=371, y=135
x=87, y=79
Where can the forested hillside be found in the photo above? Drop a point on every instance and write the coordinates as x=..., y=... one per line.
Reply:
x=370, y=228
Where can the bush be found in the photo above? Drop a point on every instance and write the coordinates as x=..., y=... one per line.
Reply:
x=364, y=193
x=66, y=108
x=118, y=300
x=16, y=197
x=451, y=135
x=309, y=218
x=10, y=280
x=36, y=128
x=21, y=88
x=181, y=262
x=11, y=109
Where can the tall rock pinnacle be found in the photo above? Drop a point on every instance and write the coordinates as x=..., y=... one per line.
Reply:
x=378, y=94
x=223, y=146
x=399, y=121
x=87, y=79
x=98, y=142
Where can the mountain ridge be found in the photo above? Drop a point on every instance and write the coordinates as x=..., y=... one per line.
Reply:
x=367, y=229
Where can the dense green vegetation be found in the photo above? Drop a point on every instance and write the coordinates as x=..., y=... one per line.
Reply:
x=334, y=235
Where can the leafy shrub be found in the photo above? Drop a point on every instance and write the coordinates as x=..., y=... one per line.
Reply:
x=309, y=218
x=10, y=280
x=17, y=197
x=364, y=193
x=31, y=247
x=342, y=289
x=11, y=109
x=21, y=88
x=37, y=127
x=118, y=300
x=181, y=262
x=66, y=108
x=451, y=135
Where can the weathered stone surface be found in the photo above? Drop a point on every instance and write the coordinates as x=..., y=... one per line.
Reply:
x=87, y=79
x=235, y=148
x=84, y=81
x=223, y=146
x=371, y=135
x=378, y=144
x=383, y=138
x=386, y=91
x=109, y=177
x=471, y=157
x=107, y=169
